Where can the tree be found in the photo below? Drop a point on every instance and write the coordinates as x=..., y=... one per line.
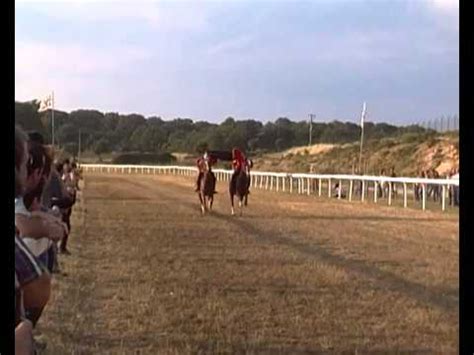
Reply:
x=101, y=147
x=27, y=116
x=71, y=148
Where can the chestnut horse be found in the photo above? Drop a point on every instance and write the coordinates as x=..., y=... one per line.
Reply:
x=206, y=190
x=239, y=186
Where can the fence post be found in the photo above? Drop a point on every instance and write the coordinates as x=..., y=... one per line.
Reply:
x=376, y=191
x=271, y=183
x=362, y=193
x=329, y=187
x=443, y=197
x=405, y=195
x=390, y=193
x=424, y=196
x=351, y=184
x=319, y=187
x=309, y=187
x=339, y=192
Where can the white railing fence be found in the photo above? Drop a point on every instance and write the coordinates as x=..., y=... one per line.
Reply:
x=336, y=185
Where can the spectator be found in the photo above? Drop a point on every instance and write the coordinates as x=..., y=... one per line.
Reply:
x=38, y=225
x=55, y=194
x=37, y=230
x=429, y=187
x=436, y=188
x=381, y=185
x=32, y=281
x=76, y=176
x=394, y=187
x=419, y=187
x=456, y=189
x=339, y=191
x=52, y=260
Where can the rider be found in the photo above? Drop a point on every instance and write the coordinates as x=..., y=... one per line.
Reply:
x=202, y=166
x=239, y=162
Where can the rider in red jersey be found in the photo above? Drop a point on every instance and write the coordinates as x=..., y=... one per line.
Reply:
x=239, y=162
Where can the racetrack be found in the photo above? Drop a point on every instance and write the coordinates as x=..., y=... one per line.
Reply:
x=294, y=274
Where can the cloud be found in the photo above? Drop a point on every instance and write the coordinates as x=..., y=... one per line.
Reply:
x=178, y=15
x=39, y=58
x=232, y=45
x=72, y=70
x=446, y=5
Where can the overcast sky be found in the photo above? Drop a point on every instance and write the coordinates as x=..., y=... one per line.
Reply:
x=248, y=59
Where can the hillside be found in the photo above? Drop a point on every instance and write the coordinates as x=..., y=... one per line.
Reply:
x=409, y=154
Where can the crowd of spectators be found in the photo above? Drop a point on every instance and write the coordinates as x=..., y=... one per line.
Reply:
x=45, y=194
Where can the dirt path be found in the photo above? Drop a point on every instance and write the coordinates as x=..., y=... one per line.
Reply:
x=294, y=274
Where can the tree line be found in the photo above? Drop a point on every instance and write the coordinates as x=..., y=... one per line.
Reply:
x=115, y=132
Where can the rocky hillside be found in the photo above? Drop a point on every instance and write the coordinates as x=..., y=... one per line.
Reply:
x=408, y=154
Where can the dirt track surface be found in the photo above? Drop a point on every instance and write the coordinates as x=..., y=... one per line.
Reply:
x=295, y=274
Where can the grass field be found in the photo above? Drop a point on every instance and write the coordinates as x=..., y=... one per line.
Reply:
x=295, y=274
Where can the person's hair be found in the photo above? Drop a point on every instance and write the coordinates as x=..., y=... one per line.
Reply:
x=73, y=165
x=47, y=164
x=59, y=167
x=30, y=196
x=20, y=140
x=66, y=161
x=36, y=137
x=37, y=159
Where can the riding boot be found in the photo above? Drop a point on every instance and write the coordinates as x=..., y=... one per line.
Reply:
x=198, y=182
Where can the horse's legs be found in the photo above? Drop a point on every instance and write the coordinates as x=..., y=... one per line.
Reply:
x=202, y=200
x=240, y=205
x=232, y=204
x=211, y=200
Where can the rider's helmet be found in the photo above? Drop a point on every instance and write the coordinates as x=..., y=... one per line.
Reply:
x=237, y=154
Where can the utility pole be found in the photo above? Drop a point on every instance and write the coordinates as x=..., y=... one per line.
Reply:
x=79, y=150
x=362, y=118
x=52, y=119
x=311, y=116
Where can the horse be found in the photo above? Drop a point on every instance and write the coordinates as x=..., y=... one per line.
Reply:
x=239, y=186
x=206, y=190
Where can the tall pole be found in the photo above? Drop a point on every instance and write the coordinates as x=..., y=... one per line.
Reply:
x=79, y=151
x=362, y=118
x=52, y=118
x=311, y=128
x=360, y=152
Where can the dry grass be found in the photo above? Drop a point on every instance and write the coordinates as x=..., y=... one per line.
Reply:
x=311, y=150
x=296, y=274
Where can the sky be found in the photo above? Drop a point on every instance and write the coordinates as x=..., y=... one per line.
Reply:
x=259, y=59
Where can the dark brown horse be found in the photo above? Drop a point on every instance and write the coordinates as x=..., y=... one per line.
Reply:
x=239, y=186
x=206, y=190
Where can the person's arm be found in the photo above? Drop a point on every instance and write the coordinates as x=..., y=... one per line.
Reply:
x=24, y=338
x=40, y=225
x=36, y=293
x=33, y=279
x=64, y=202
x=33, y=227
